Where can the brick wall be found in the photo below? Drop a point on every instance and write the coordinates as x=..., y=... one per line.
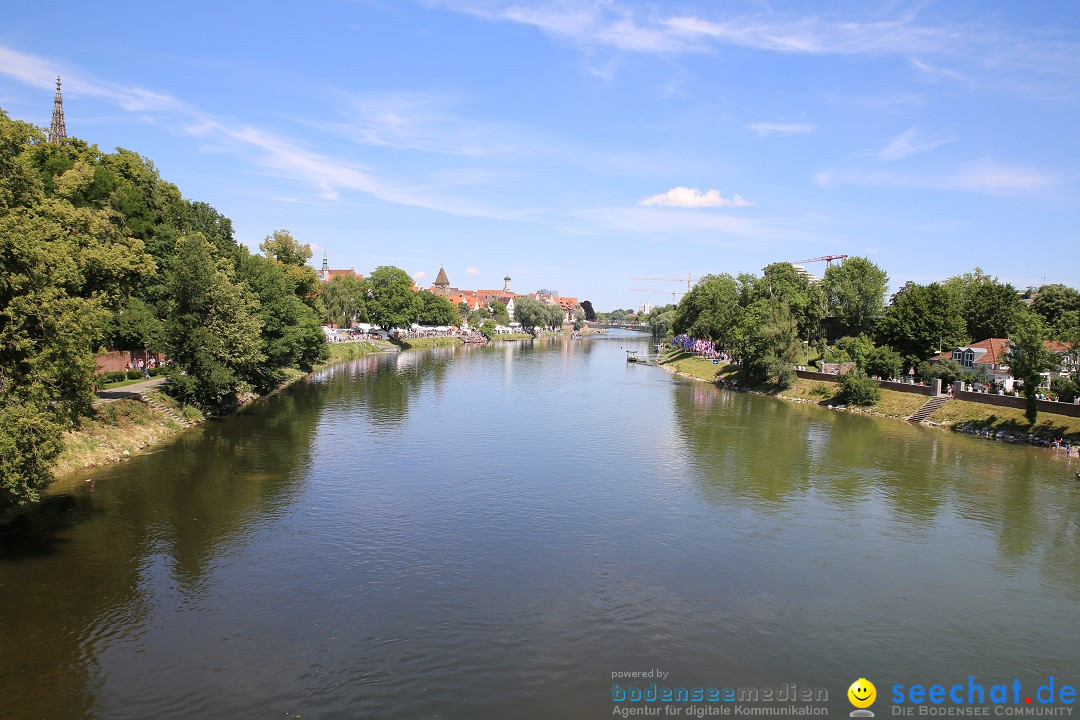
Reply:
x=900, y=387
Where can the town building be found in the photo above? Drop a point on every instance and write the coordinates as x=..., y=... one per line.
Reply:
x=326, y=274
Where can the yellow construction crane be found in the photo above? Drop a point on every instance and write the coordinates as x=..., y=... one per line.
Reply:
x=671, y=278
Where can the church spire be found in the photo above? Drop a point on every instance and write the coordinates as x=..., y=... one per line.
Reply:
x=57, y=130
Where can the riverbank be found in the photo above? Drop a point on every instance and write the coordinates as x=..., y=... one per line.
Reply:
x=440, y=341
x=121, y=427
x=1001, y=423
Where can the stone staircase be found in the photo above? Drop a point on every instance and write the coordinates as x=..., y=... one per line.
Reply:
x=926, y=410
x=166, y=410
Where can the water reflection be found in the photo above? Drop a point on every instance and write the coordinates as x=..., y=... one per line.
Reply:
x=85, y=573
x=489, y=532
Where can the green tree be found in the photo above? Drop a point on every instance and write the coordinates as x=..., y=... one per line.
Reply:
x=343, y=300
x=1058, y=305
x=391, y=301
x=884, y=362
x=499, y=312
x=661, y=319
x=136, y=326
x=710, y=311
x=806, y=300
x=769, y=344
x=531, y=313
x=64, y=267
x=437, y=310
x=1029, y=358
x=290, y=332
x=923, y=320
x=989, y=307
x=856, y=294
x=213, y=332
x=856, y=388
x=555, y=316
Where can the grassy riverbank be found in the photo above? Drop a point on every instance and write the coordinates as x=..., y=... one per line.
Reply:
x=443, y=341
x=512, y=336
x=118, y=429
x=958, y=415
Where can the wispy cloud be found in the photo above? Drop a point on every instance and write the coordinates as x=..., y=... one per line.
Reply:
x=770, y=128
x=419, y=275
x=280, y=156
x=984, y=177
x=684, y=197
x=935, y=49
x=472, y=271
x=912, y=142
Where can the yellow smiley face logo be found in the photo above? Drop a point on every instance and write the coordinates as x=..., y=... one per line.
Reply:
x=862, y=693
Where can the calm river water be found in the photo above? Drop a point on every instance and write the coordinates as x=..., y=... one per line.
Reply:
x=493, y=532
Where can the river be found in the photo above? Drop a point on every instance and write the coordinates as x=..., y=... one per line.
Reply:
x=494, y=532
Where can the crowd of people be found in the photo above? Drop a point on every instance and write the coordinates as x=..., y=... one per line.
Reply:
x=704, y=348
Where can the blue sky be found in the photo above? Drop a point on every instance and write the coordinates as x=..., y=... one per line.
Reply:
x=579, y=144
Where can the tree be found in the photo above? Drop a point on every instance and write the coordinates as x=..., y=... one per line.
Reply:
x=660, y=319
x=1057, y=304
x=499, y=313
x=590, y=314
x=555, y=315
x=884, y=362
x=579, y=318
x=923, y=320
x=989, y=307
x=391, y=301
x=437, y=310
x=856, y=294
x=1029, y=358
x=852, y=349
x=806, y=300
x=858, y=389
x=531, y=313
x=64, y=266
x=343, y=300
x=213, y=332
x=769, y=344
x=710, y=311
x=290, y=330
x=136, y=326
x=281, y=246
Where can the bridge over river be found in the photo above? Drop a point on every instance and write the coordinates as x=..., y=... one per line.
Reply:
x=623, y=326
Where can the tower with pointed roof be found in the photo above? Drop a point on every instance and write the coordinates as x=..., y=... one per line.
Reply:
x=506, y=282
x=324, y=274
x=442, y=283
x=57, y=129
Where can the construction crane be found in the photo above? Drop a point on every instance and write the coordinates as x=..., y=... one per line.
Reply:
x=671, y=278
x=824, y=258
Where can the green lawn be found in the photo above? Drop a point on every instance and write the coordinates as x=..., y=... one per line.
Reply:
x=412, y=343
x=962, y=413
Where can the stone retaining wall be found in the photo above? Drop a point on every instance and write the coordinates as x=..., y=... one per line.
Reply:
x=927, y=390
x=1044, y=406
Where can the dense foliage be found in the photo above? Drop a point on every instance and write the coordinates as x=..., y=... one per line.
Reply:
x=97, y=251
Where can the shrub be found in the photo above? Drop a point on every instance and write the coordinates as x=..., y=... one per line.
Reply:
x=111, y=377
x=134, y=374
x=856, y=388
x=821, y=390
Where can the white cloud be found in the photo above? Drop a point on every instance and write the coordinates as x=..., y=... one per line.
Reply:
x=685, y=197
x=472, y=271
x=769, y=128
x=419, y=275
x=910, y=142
